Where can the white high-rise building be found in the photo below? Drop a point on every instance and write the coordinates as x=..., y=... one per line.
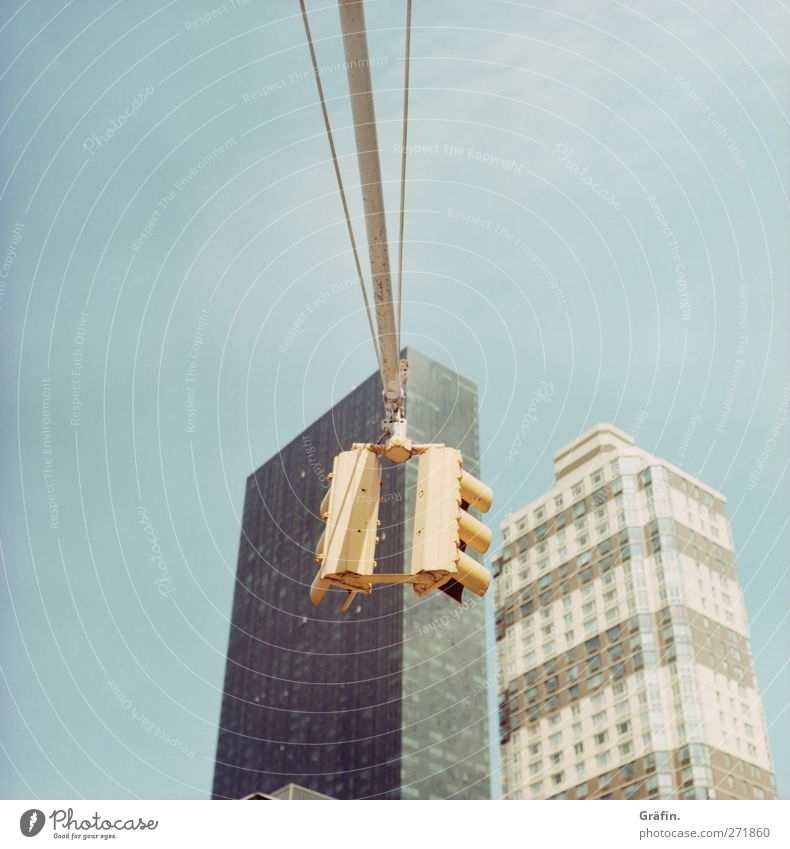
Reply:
x=625, y=669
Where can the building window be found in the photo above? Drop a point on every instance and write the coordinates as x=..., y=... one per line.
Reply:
x=604, y=547
x=615, y=653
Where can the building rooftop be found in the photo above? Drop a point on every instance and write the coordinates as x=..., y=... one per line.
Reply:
x=598, y=441
x=289, y=791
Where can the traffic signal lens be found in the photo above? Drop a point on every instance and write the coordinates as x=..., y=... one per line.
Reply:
x=475, y=493
x=473, y=575
x=473, y=532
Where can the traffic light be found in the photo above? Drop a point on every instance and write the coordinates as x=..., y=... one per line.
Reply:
x=350, y=508
x=443, y=528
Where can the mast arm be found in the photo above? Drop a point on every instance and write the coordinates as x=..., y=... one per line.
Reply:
x=355, y=44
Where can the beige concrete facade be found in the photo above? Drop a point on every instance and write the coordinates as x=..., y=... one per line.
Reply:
x=625, y=667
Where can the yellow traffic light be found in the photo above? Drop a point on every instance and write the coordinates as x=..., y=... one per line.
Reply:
x=443, y=528
x=350, y=508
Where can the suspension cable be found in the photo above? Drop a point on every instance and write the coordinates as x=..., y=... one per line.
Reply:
x=340, y=183
x=403, y=162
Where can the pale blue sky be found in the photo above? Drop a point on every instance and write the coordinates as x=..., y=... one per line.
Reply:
x=552, y=139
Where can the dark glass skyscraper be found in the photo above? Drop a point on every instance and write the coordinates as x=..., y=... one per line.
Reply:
x=389, y=699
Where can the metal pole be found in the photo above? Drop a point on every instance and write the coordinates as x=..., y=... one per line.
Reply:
x=355, y=43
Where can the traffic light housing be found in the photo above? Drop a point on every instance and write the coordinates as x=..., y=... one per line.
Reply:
x=443, y=527
x=350, y=508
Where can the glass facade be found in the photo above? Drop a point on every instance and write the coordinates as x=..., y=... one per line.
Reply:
x=387, y=700
x=445, y=722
